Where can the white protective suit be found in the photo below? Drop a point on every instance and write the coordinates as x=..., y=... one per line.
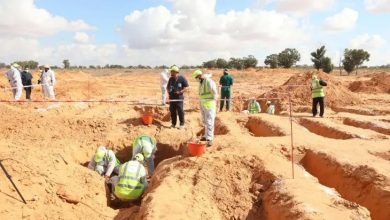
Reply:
x=208, y=115
x=15, y=81
x=163, y=84
x=48, y=80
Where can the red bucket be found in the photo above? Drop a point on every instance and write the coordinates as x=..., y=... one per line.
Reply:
x=147, y=119
x=196, y=149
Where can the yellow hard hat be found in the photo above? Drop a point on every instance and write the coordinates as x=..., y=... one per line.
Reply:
x=196, y=73
x=139, y=157
x=174, y=68
x=314, y=77
x=100, y=153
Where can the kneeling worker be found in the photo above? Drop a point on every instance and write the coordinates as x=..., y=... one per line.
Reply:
x=254, y=106
x=104, y=162
x=146, y=146
x=131, y=182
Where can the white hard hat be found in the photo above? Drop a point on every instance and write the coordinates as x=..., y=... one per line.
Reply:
x=46, y=66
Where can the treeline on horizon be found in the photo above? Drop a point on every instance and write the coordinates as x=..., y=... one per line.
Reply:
x=353, y=60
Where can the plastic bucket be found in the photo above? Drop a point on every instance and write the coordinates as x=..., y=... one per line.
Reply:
x=147, y=119
x=196, y=149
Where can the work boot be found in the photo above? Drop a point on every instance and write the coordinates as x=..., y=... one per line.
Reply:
x=209, y=143
x=203, y=139
x=181, y=127
x=173, y=126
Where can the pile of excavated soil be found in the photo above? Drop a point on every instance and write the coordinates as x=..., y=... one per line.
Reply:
x=222, y=186
x=299, y=87
x=379, y=83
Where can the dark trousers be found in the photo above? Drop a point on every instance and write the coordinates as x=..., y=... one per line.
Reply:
x=316, y=101
x=28, y=92
x=225, y=95
x=177, y=108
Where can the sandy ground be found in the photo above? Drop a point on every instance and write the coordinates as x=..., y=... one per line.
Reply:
x=340, y=162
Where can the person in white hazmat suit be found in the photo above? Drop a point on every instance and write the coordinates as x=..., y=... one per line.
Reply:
x=104, y=162
x=208, y=95
x=163, y=84
x=15, y=81
x=48, y=80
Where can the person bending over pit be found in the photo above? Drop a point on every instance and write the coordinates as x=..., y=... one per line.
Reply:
x=146, y=146
x=270, y=108
x=104, y=162
x=131, y=182
x=318, y=95
x=254, y=106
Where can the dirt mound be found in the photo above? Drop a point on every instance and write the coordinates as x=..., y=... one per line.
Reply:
x=299, y=87
x=221, y=186
x=379, y=83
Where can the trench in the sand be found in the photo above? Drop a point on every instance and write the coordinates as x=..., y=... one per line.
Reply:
x=219, y=128
x=318, y=128
x=356, y=184
x=367, y=125
x=261, y=128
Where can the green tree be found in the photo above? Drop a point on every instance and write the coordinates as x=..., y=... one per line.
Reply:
x=210, y=64
x=272, y=61
x=66, y=64
x=318, y=57
x=249, y=62
x=236, y=63
x=353, y=58
x=28, y=64
x=221, y=63
x=327, y=65
x=288, y=57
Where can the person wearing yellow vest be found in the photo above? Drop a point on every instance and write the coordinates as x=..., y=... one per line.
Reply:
x=208, y=96
x=131, y=182
x=254, y=106
x=318, y=94
x=146, y=146
x=104, y=162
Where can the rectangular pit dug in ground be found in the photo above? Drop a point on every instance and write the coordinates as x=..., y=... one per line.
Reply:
x=321, y=129
x=261, y=128
x=360, y=184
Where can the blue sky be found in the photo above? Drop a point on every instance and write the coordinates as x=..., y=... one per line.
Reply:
x=155, y=32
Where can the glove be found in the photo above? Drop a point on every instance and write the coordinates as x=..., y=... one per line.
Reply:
x=179, y=92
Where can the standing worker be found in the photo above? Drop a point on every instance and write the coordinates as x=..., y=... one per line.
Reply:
x=146, y=146
x=104, y=162
x=26, y=81
x=208, y=96
x=176, y=87
x=15, y=81
x=318, y=94
x=48, y=80
x=226, y=81
x=163, y=83
x=131, y=182
x=270, y=108
x=254, y=106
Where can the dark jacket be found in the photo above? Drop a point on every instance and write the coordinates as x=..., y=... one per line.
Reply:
x=26, y=78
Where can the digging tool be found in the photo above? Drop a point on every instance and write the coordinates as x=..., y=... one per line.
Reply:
x=10, y=179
